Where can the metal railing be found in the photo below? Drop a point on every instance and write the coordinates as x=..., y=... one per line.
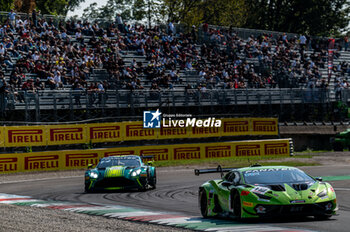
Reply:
x=71, y=99
x=71, y=105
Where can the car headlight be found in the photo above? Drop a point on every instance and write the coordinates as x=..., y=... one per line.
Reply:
x=135, y=173
x=94, y=175
x=323, y=193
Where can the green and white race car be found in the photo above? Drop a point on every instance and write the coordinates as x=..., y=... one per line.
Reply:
x=265, y=191
x=120, y=172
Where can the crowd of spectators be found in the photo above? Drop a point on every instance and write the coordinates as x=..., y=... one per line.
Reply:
x=38, y=54
x=278, y=61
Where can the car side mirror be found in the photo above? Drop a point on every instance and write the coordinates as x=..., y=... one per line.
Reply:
x=318, y=178
x=226, y=183
x=90, y=166
x=150, y=163
x=235, y=183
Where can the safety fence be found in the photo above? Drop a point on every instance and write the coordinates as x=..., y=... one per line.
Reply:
x=121, y=99
x=78, y=159
x=47, y=135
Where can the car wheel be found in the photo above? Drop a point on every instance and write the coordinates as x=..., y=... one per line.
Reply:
x=237, y=209
x=146, y=183
x=87, y=190
x=153, y=181
x=322, y=217
x=203, y=203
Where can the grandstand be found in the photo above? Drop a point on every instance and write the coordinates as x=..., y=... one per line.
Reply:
x=72, y=70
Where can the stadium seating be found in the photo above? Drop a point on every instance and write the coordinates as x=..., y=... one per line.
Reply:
x=119, y=63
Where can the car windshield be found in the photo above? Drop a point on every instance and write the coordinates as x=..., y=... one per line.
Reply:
x=275, y=175
x=122, y=161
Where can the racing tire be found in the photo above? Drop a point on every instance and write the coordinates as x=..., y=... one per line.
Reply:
x=237, y=208
x=153, y=181
x=322, y=217
x=146, y=183
x=203, y=203
x=86, y=189
x=144, y=187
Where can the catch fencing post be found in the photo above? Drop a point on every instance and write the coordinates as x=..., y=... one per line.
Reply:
x=37, y=107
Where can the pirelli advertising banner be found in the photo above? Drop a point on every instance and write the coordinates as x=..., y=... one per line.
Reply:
x=104, y=132
x=2, y=136
x=47, y=135
x=264, y=126
x=79, y=159
x=10, y=163
x=174, y=132
x=235, y=126
x=135, y=131
x=160, y=153
x=66, y=134
x=229, y=127
x=22, y=136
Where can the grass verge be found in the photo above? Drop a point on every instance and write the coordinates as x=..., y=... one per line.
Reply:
x=308, y=151
x=242, y=162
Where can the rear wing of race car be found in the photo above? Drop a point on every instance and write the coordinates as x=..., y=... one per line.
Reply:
x=147, y=157
x=219, y=169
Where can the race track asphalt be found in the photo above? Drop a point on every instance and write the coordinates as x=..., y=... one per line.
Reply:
x=177, y=192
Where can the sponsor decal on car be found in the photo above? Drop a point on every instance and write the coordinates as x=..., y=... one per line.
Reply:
x=260, y=190
x=267, y=170
x=297, y=201
x=248, y=204
x=114, y=171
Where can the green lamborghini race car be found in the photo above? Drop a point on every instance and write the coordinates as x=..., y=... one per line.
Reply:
x=265, y=191
x=120, y=172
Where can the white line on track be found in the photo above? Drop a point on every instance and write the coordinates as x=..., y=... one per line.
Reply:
x=132, y=214
x=41, y=179
x=18, y=201
x=172, y=220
